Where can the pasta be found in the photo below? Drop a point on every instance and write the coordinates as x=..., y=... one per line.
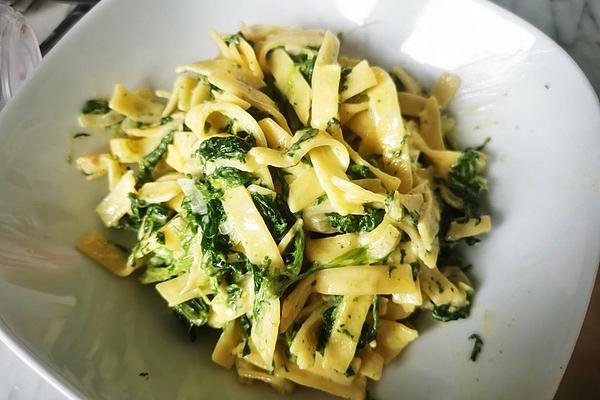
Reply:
x=304, y=203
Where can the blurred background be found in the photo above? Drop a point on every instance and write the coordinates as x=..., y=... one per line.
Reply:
x=30, y=28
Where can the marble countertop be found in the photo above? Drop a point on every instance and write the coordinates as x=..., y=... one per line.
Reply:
x=575, y=25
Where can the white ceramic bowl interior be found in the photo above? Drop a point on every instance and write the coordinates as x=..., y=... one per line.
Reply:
x=93, y=334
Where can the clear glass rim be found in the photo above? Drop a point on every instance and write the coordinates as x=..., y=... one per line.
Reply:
x=19, y=52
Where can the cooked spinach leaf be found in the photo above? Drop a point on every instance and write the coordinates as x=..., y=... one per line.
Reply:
x=194, y=312
x=305, y=61
x=147, y=165
x=227, y=177
x=276, y=214
x=304, y=135
x=95, y=106
x=477, y=346
x=293, y=256
x=228, y=147
x=357, y=171
x=371, y=326
x=447, y=312
x=329, y=316
x=357, y=223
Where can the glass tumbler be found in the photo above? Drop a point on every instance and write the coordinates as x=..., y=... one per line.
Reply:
x=19, y=52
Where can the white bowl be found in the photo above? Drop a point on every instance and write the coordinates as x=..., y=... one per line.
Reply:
x=92, y=334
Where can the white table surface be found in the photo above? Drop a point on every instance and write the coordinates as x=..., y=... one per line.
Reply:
x=575, y=24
